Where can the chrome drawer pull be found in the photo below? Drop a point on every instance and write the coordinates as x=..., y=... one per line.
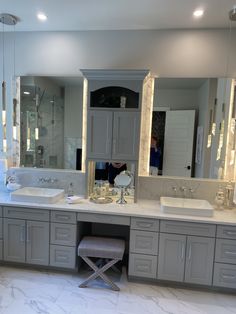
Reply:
x=145, y=224
x=63, y=217
x=228, y=276
x=231, y=233
x=182, y=251
x=230, y=252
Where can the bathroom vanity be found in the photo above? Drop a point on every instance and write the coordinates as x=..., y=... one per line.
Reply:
x=161, y=247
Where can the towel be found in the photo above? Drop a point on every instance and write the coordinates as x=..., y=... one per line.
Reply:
x=73, y=199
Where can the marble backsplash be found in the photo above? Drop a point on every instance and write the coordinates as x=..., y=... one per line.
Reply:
x=61, y=178
x=150, y=187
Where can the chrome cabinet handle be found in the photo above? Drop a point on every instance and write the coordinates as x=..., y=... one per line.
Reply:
x=231, y=233
x=190, y=251
x=230, y=252
x=22, y=234
x=114, y=146
x=228, y=276
x=28, y=234
x=182, y=251
x=144, y=224
x=64, y=217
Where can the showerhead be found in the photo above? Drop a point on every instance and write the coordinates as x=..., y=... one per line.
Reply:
x=232, y=14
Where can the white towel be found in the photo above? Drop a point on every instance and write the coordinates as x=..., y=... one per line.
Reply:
x=73, y=199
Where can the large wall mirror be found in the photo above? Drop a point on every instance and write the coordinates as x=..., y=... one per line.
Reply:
x=51, y=122
x=189, y=127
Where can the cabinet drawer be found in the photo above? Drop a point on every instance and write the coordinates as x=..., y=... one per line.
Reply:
x=145, y=224
x=226, y=232
x=143, y=242
x=109, y=219
x=62, y=216
x=142, y=265
x=63, y=234
x=62, y=256
x=224, y=276
x=1, y=249
x=26, y=213
x=225, y=251
x=188, y=228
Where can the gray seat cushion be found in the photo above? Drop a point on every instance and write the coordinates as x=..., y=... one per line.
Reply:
x=101, y=247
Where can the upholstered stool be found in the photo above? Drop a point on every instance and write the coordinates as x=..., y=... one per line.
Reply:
x=109, y=249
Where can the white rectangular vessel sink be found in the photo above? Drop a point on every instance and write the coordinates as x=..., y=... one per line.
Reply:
x=37, y=195
x=186, y=206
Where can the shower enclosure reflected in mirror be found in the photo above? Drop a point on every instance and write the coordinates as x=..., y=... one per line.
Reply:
x=51, y=122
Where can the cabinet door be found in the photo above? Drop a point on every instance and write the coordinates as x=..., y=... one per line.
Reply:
x=37, y=243
x=14, y=240
x=126, y=135
x=99, y=134
x=171, y=257
x=199, y=260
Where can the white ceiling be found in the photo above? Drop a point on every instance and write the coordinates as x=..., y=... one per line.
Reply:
x=74, y=15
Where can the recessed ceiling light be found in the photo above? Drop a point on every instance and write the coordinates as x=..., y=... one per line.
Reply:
x=42, y=16
x=198, y=13
x=26, y=93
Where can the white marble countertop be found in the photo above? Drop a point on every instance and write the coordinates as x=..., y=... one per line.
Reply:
x=143, y=208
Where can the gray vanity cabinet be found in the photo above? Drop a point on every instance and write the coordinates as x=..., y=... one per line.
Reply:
x=185, y=255
x=14, y=240
x=199, y=260
x=125, y=144
x=225, y=257
x=37, y=242
x=143, y=250
x=99, y=136
x=186, y=259
x=171, y=257
x=63, y=239
x=113, y=134
x=26, y=240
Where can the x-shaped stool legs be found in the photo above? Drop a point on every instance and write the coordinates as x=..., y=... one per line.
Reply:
x=99, y=272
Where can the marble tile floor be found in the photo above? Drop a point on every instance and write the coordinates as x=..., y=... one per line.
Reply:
x=26, y=291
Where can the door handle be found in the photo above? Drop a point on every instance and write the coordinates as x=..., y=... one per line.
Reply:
x=188, y=167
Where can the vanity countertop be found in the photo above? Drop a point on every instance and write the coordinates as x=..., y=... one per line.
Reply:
x=143, y=208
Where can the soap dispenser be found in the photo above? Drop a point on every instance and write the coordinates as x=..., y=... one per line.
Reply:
x=70, y=190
